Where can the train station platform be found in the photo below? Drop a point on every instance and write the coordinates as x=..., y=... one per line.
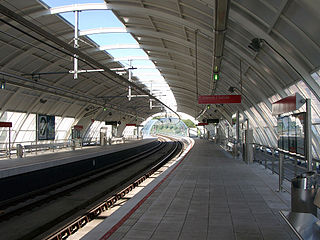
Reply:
x=207, y=195
x=27, y=176
x=11, y=167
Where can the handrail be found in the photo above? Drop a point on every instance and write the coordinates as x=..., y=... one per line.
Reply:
x=298, y=156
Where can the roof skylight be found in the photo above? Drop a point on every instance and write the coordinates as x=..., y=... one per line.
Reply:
x=121, y=46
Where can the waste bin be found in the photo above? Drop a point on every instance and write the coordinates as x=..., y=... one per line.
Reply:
x=19, y=151
x=303, y=191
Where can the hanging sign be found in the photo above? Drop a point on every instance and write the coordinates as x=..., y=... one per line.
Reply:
x=5, y=124
x=131, y=125
x=213, y=120
x=287, y=104
x=219, y=99
x=79, y=127
x=114, y=123
x=202, y=124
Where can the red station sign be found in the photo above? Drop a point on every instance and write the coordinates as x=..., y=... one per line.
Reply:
x=5, y=124
x=219, y=99
x=131, y=125
x=287, y=104
x=79, y=127
x=202, y=124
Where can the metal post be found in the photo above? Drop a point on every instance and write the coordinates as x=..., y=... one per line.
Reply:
x=237, y=133
x=130, y=79
x=281, y=158
x=308, y=136
x=228, y=133
x=9, y=142
x=76, y=36
x=238, y=127
x=204, y=132
x=137, y=132
x=295, y=166
x=272, y=159
x=265, y=159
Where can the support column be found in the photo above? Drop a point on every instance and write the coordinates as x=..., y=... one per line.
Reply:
x=9, y=142
x=308, y=136
x=281, y=159
x=237, y=134
x=238, y=128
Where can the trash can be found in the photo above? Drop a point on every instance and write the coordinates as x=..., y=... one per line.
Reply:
x=303, y=191
x=19, y=151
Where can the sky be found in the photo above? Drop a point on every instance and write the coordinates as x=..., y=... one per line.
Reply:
x=146, y=70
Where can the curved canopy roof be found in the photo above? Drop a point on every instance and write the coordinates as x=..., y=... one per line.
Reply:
x=187, y=40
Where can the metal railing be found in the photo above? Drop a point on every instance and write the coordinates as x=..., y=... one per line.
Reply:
x=36, y=146
x=287, y=165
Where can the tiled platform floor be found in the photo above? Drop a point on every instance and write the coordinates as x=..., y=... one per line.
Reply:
x=211, y=195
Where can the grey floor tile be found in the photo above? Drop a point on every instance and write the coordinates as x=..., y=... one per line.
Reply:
x=145, y=226
x=248, y=236
x=193, y=236
x=195, y=226
x=163, y=235
x=170, y=227
x=138, y=234
x=221, y=234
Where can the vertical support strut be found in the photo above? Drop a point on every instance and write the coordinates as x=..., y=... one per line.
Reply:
x=9, y=142
x=240, y=77
x=281, y=159
x=237, y=133
x=76, y=45
x=308, y=136
x=130, y=79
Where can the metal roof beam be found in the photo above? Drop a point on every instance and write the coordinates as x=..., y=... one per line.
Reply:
x=118, y=7
x=50, y=37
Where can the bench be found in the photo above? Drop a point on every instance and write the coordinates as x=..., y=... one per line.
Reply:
x=305, y=225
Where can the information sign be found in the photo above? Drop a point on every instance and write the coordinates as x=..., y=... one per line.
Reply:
x=287, y=104
x=214, y=120
x=45, y=127
x=291, y=133
x=5, y=124
x=219, y=99
x=114, y=123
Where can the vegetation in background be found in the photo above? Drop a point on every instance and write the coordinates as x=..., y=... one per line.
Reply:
x=170, y=127
x=189, y=123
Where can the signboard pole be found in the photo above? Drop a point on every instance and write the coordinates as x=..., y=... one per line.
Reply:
x=308, y=140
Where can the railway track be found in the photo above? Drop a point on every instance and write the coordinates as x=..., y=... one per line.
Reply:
x=67, y=209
